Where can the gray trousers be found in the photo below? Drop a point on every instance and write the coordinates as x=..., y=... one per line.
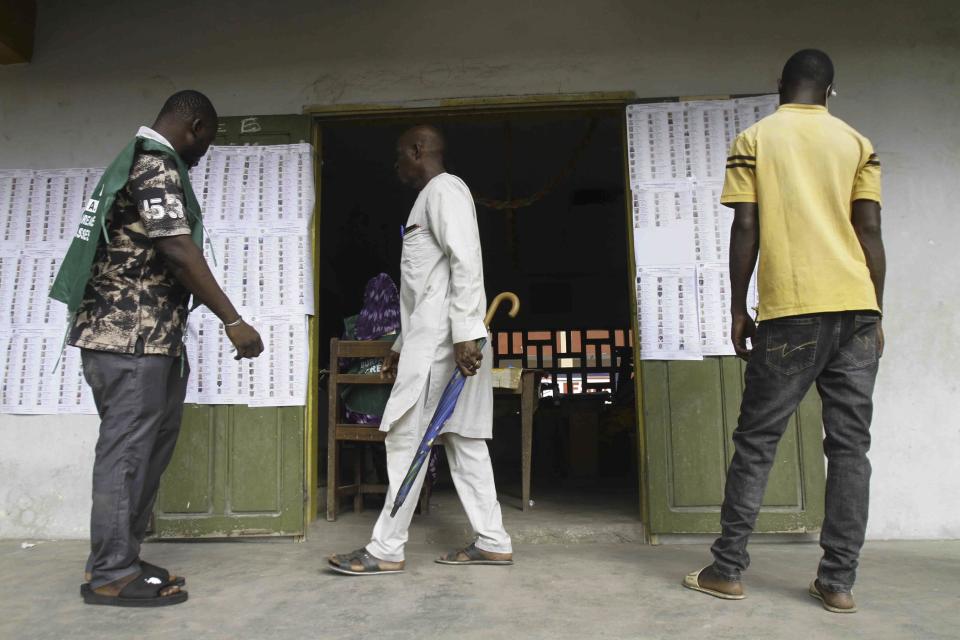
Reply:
x=838, y=353
x=140, y=402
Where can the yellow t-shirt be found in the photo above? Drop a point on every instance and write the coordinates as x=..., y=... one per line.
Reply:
x=803, y=167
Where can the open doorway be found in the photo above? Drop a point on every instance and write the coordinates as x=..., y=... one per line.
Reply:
x=550, y=188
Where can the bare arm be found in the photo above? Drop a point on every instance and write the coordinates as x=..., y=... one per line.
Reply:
x=744, y=247
x=866, y=224
x=188, y=265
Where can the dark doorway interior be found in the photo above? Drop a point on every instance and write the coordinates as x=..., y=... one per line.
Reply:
x=551, y=212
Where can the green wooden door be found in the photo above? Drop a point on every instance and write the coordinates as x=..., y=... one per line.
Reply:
x=690, y=411
x=238, y=470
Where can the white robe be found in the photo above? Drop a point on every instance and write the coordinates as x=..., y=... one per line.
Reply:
x=442, y=302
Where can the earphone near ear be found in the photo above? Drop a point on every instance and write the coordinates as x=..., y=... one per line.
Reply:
x=832, y=91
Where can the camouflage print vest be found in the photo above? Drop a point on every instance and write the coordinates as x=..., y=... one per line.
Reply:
x=120, y=290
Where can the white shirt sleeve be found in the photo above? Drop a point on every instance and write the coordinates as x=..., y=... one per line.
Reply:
x=453, y=220
x=398, y=343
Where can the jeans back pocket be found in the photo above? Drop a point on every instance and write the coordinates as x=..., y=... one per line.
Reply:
x=790, y=344
x=860, y=350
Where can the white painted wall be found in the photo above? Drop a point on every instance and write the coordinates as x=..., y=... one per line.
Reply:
x=103, y=68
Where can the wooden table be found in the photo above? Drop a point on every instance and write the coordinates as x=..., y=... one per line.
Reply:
x=527, y=390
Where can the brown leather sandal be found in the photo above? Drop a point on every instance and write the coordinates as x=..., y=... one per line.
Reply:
x=472, y=555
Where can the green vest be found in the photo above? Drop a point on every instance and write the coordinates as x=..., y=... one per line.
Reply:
x=71, y=281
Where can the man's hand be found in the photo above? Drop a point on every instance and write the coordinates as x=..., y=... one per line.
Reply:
x=246, y=339
x=743, y=327
x=467, y=355
x=388, y=370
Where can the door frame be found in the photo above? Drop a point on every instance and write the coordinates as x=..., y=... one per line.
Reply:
x=470, y=106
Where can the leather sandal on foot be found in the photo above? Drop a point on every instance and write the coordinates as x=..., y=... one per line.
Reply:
x=154, y=570
x=142, y=591
x=709, y=582
x=832, y=601
x=472, y=555
x=361, y=563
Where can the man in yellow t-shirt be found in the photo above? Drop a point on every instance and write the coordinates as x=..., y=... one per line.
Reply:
x=805, y=188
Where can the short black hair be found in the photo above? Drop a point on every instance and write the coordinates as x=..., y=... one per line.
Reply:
x=808, y=67
x=189, y=105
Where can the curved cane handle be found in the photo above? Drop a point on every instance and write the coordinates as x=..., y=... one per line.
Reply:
x=492, y=309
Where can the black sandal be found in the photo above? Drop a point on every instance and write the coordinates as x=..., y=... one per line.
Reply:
x=162, y=573
x=370, y=566
x=142, y=591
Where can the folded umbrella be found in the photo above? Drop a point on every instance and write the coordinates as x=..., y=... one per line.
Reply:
x=448, y=402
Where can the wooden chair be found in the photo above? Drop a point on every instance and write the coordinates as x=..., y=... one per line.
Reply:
x=339, y=431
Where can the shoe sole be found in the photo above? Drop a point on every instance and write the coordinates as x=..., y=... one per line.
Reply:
x=815, y=594
x=92, y=597
x=499, y=563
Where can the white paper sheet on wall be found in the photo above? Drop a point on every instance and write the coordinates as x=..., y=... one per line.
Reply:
x=277, y=378
x=270, y=271
x=282, y=381
x=656, y=144
x=41, y=208
x=711, y=223
x=256, y=187
x=15, y=189
x=29, y=385
x=215, y=377
x=663, y=223
x=669, y=324
x=713, y=288
x=9, y=277
x=711, y=128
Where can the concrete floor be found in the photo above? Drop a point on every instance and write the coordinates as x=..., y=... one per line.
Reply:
x=573, y=579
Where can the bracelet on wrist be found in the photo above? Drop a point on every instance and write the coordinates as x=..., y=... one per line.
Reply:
x=235, y=323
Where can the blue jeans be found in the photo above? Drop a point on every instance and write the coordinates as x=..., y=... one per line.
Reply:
x=838, y=352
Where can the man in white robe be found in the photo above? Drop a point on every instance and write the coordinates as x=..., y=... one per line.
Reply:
x=442, y=305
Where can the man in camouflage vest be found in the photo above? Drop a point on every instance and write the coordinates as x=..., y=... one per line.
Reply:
x=130, y=329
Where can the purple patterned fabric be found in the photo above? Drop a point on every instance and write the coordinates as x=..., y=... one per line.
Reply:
x=360, y=418
x=380, y=314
